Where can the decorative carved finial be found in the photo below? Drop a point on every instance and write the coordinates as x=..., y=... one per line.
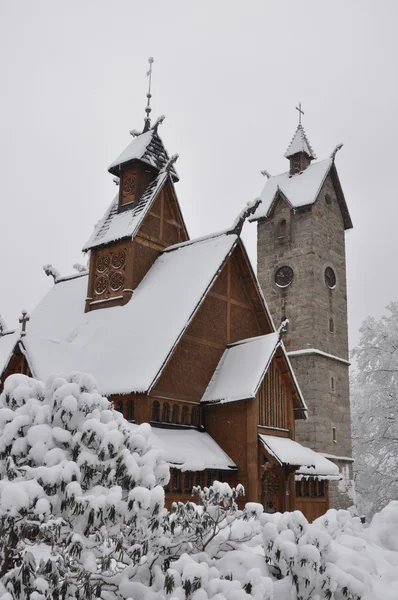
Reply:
x=116, y=180
x=3, y=326
x=266, y=173
x=80, y=268
x=301, y=112
x=23, y=319
x=249, y=209
x=338, y=147
x=171, y=162
x=50, y=270
x=158, y=122
x=149, y=96
x=283, y=328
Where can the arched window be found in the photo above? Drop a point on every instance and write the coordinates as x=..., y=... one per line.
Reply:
x=175, y=478
x=131, y=411
x=187, y=481
x=166, y=412
x=174, y=414
x=198, y=478
x=193, y=416
x=155, y=411
x=282, y=228
x=184, y=415
x=331, y=325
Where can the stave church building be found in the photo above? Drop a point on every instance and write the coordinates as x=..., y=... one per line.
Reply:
x=243, y=378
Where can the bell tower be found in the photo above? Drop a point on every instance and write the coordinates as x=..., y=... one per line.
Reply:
x=301, y=226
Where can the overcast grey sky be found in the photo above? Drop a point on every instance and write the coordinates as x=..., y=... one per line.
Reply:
x=227, y=75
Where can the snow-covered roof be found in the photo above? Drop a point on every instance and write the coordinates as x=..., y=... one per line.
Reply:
x=299, y=190
x=125, y=347
x=119, y=225
x=287, y=451
x=322, y=469
x=190, y=450
x=7, y=345
x=300, y=143
x=241, y=369
x=146, y=147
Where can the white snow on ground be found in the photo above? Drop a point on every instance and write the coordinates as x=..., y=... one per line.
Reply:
x=287, y=451
x=300, y=189
x=125, y=347
x=241, y=369
x=190, y=450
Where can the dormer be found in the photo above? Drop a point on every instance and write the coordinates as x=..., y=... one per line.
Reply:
x=139, y=164
x=299, y=153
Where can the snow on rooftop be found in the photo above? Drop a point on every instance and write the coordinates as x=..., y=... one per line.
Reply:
x=300, y=189
x=7, y=344
x=323, y=468
x=125, y=347
x=300, y=143
x=135, y=150
x=241, y=369
x=287, y=451
x=190, y=450
x=119, y=225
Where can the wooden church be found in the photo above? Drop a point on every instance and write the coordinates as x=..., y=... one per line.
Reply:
x=178, y=334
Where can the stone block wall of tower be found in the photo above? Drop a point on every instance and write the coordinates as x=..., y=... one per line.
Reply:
x=308, y=240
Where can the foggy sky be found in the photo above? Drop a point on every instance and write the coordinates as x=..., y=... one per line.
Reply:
x=227, y=75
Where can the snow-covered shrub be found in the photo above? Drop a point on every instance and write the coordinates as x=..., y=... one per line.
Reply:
x=78, y=487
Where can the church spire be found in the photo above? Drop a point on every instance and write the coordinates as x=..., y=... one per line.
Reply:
x=300, y=152
x=148, y=108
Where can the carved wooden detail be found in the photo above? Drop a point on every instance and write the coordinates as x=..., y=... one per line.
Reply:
x=110, y=266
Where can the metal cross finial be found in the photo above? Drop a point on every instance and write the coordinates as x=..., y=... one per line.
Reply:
x=301, y=112
x=23, y=319
x=149, y=95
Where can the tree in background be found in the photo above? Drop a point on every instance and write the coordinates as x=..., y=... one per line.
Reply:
x=374, y=402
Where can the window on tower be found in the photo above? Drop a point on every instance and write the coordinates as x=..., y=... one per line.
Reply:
x=331, y=325
x=282, y=228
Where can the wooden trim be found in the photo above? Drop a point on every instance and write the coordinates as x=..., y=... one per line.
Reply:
x=145, y=240
x=203, y=342
x=161, y=215
x=229, y=300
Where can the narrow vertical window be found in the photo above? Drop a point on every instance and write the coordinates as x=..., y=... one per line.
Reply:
x=276, y=400
x=209, y=478
x=184, y=415
x=261, y=404
x=131, y=411
x=331, y=325
x=155, y=411
x=174, y=415
x=187, y=481
x=193, y=416
x=175, y=479
x=282, y=228
x=282, y=405
x=332, y=383
x=198, y=479
x=166, y=412
x=334, y=435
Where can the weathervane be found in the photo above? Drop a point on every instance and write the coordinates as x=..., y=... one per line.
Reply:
x=149, y=95
x=301, y=112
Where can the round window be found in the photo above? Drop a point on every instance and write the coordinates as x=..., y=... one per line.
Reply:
x=284, y=276
x=330, y=278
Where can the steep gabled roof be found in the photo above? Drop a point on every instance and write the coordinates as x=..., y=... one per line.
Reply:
x=241, y=369
x=116, y=225
x=301, y=189
x=147, y=148
x=300, y=143
x=8, y=341
x=126, y=347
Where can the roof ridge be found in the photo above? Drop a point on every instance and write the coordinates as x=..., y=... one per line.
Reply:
x=198, y=240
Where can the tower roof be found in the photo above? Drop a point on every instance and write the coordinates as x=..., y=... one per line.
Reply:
x=146, y=147
x=300, y=143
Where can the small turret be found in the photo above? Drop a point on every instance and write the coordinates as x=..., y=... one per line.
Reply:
x=299, y=153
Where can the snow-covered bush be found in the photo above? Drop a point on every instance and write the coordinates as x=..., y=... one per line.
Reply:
x=79, y=488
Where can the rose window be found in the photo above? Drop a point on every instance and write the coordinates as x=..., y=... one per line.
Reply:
x=116, y=281
x=101, y=283
x=118, y=259
x=103, y=263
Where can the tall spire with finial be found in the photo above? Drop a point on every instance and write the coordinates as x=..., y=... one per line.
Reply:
x=148, y=108
x=300, y=152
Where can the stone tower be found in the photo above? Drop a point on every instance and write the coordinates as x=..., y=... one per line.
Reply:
x=302, y=271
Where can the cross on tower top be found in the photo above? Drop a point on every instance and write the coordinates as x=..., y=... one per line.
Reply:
x=301, y=112
x=148, y=108
x=23, y=319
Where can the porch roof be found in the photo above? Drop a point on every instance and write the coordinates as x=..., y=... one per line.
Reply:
x=287, y=451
